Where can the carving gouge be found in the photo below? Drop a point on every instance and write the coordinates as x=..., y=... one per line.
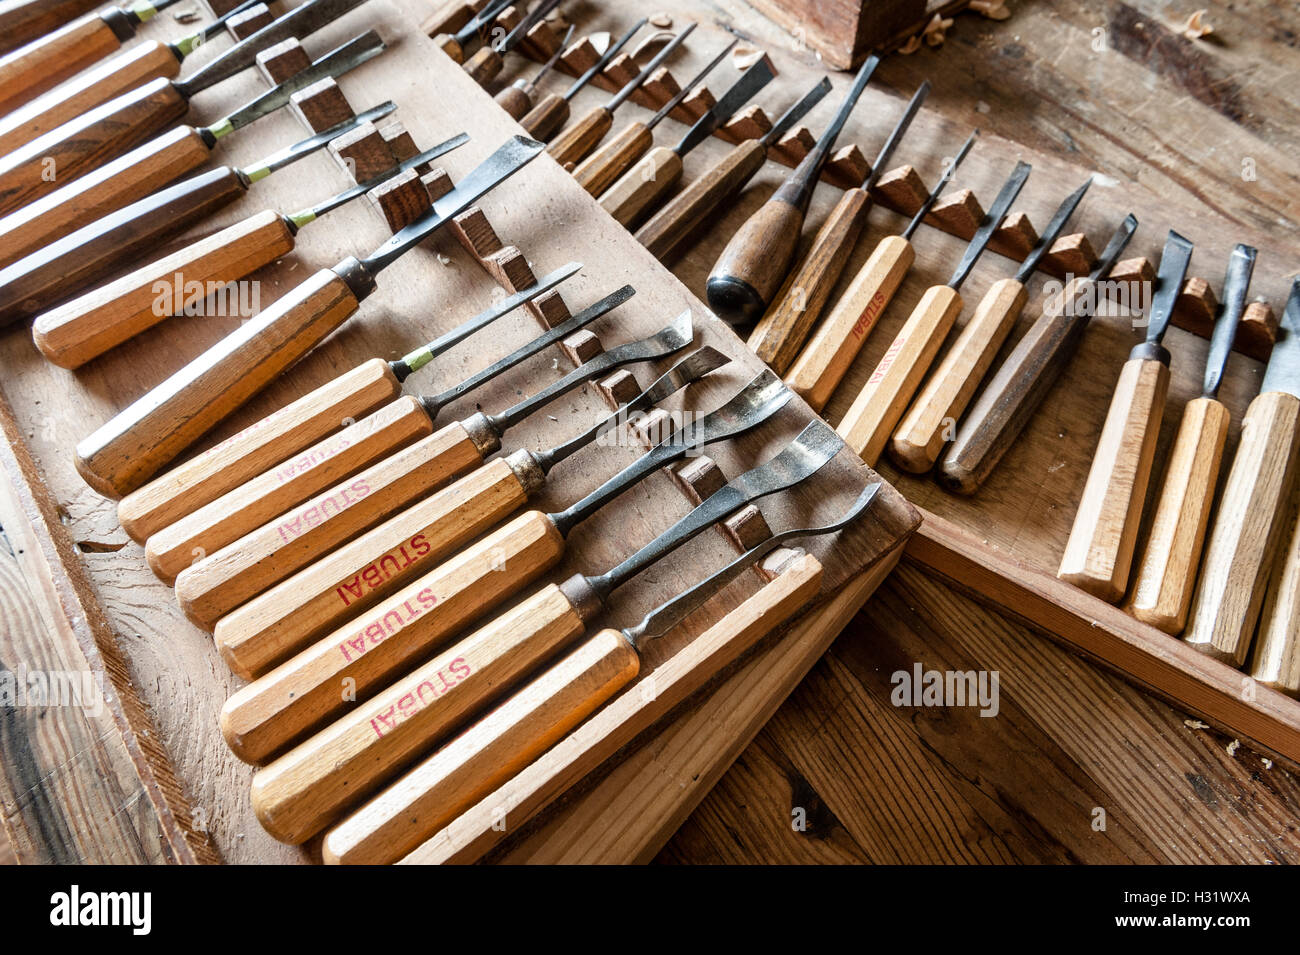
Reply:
x=642, y=186
x=1167, y=571
x=517, y=98
x=549, y=115
x=599, y=170
x=303, y=692
x=455, y=45
x=1005, y=405
x=501, y=743
x=871, y=418
x=1099, y=553
x=671, y=224
x=322, y=596
x=129, y=449
x=755, y=261
x=484, y=65
x=86, y=327
x=928, y=424
x=285, y=441
x=1250, y=522
x=583, y=136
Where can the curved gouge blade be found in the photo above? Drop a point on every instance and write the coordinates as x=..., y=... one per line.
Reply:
x=695, y=81
x=796, y=112
x=1115, y=247
x=304, y=147
x=992, y=220
x=604, y=60
x=1049, y=235
x=896, y=135
x=1236, y=283
x=1169, y=285
x=740, y=93
x=949, y=170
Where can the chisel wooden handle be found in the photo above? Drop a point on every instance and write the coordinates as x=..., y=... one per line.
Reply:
x=581, y=138
x=281, y=488
x=1276, y=661
x=598, y=171
x=870, y=420
x=753, y=265
x=353, y=661
x=1248, y=529
x=931, y=421
x=132, y=68
x=543, y=120
x=484, y=65
x=514, y=101
x=449, y=46
x=668, y=227
x=46, y=62
x=22, y=21
x=822, y=365
x=323, y=595
x=72, y=334
x=1004, y=406
x=1166, y=575
x=784, y=327
x=132, y=447
x=642, y=186
x=227, y=577
x=1099, y=553
x=487, y=754
x=262, y=445
x=307, y=788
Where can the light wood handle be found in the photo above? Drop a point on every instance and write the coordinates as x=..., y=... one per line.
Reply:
x=642, y=186
x=1099, y=554
x=72, y=334
x=870, y=420
x=598, y=171
x=319, y=598
x=1248, y=529
x=139, y=441
x=314, y=686
x=133, y=67
x=543, y=120
x=931, y=421
x=226, y=578
x=514, y=101
x=484, y=65
x=1276, y=660
x=307, y=788
x=752, y=267
x=26, y=20
x=262, y=445
x=581, y=138
x=1166, y=574
x=822, y=365
x=54, y=162
x=279, y=489
x=670, y=226
x=487, y=754
x=44, y=63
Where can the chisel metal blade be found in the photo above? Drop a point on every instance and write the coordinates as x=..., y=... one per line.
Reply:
x=1115, y=247
x=1236, y=283
x=1050, y=234
x=1283, y=372
x=992, y=220
x=283, y=157
x=750, y=82
x=796, y=112
x=1169, y=285
x=896, y=134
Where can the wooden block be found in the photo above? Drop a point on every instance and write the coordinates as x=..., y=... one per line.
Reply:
x=400, y=142
x=1015, y=238
x=401, y=200
x=506, y=21
x=699, y=477
x=790, y=149
x=847, y=167
x=1070, y=255
x=1195, y=307
x=750, y=123
x=771, y=566
x=475, y=232
x=550, y=306
x=540, y=41
x=285, y=59
x=654, y=427
x=220, y=8
x=1140, y=276
x=436, y=183
x=579, y=57
x=619, y=388
x=694, y=105
x=659, y=88
x=509, y=268
x=364, y=153
x=618, y=72
x=901, y=190
x=959, y=214
x=747, y=528
x=245, y=24
x=844, y=33
x=581, y=347
x=448, y=18
x=1258, y=330
x=322, y=105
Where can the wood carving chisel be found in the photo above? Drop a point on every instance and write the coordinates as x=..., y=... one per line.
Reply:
x=1099, y=552
x=22, y=21
x=503, y=741
x=60, y=268
x=286, y=441
x=572, y=145
x=552, y=112
x=870, y=420
x=322, y=596
x=598, y=171
x=784, y=327
x=1275, y=660
x=517, y=98
x=666, y=229
x=303, y=692
x=1250, y=521
x=485, y=65
x=754, y=263
x=642, y=186
x=929, y=423
x=77, y=331
x=475, y=30
x=1005, y=405
x=137, y=442
x=1166, y=573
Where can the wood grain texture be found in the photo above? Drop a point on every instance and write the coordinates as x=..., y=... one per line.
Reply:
x=27, y=20
x=641, y=187
x=581, y=137
x=484, y=65
x=546, y=118
x=47, y=61
x=760, y=253
x=1275, y=661
x=514, y=100
x=599, y=170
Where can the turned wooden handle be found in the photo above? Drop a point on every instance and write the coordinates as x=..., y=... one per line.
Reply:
x=487, y=754
x=598, y=171
x=1276, y=660
x=51, y=163
x=514, y=101
x=1248, y=529
x=319, y=598
x=289, y=541
x=543, y=120
x=668, y=227
x=25, y=20
x=1004, y=406
x=450, y=47
x=1099, y=553
x=73, y=333
x=870, y=420
x=132, y=68
x=484, y=65
x=307, y=788
x=262, y=445
x=642, y=186
x=1166, y=574
x=46, y=62
x=752, y=267
x=931, y=421
x=139, y=441
x=281, y=488
x=822, y=365
x=314, y=686
x=581, y=138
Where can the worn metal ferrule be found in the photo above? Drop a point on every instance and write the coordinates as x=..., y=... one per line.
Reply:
x=481, y=432
x=583, y=598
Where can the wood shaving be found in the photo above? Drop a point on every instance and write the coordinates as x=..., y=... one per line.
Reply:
x=746, y=56
x=600, y=41
x=661, y=20
x=936, y=30
x=188, y=15
x=650, y=46
x=1196, y=27
x=993, y=9
x=911, y=46
x=1267, y=763
x=1233, y=747
x=1196, y=725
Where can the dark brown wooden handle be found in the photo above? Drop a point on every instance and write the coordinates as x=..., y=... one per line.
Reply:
x=44, y=63
x=514, y=101
x=545, y=119
x=753, y=265
x=27, y=20
x=485, y=65
x=581, y=138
